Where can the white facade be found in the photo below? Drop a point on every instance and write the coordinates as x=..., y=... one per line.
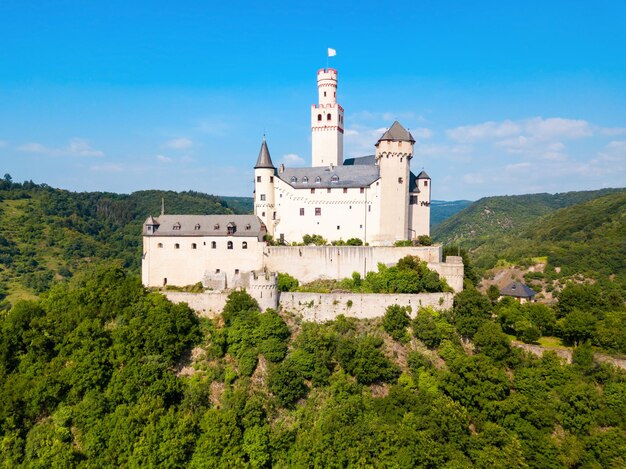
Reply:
x=374, y=198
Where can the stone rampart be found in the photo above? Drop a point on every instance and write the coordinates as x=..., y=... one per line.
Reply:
x=320, y=307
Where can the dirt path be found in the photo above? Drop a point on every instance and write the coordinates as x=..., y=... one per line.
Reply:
x=567, y=354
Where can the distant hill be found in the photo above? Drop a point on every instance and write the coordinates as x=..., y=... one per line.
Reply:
x=505, y=214
x=441, y=210
x=48, y=233
x=586, y=238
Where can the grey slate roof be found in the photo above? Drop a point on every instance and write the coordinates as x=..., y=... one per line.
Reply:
x=361, y=160
x=361, y=175
x=397, y=133
x=423, y=175
x=413, y=186
x=518, y=290
x=264, y=160
x=207, y=225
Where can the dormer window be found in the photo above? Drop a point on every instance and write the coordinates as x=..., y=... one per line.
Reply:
x=294, y=179
x=176, y=226
x=318, y=180
x=216, y=226
x=197, y=227
x=248, y=226
x=335, y=178
x=305, y=179
x=231, y=228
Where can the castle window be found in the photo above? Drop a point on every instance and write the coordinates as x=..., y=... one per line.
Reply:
x=274, y=216
x=318, y=180
x=216, y=226
x=338, y=226
x=262, y=214
x=262, y=196
x=328, y=117
x=425, y=183
x=335, y=178
x=294, y=179
x=413, y=199
x=176, y=226
x=258, y=179
x=229, y=245
x=335, y=94
x=248, y=226
x=244, y=245
x=324, y=93
x=213, y=245
x=160, y=245
x=302, y=212
x=318, y=211
x=313, y=190
x=400, y=180
x=328, y=190
x=345, y=190
x=362, y=190
x=176, y=246
x=369, y=208
x=319, y=117
x=271, y=178
x=236, y=271
x=305, y=179
x=217, y=271
x=197, y=227
x=194, y=246
x=231, y=228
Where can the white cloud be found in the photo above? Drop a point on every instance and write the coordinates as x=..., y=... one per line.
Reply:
x=107, y=168
x=163, y=159
x=291, y=159
x=75, y=147
x=557, y=128
x=485, y=131
x=179, y=143
x=422, y=133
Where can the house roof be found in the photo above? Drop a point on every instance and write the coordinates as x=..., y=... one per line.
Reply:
x=359, y=175
x=518, y=290
x=396, y=133
x=264, y=160
x=423, y=175
x=207, y=225
x=361, y=160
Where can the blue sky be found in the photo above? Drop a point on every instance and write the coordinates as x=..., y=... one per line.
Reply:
x=502, y=97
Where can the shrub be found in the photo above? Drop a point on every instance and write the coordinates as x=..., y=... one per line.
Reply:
x=287, y=283
x=395, y=322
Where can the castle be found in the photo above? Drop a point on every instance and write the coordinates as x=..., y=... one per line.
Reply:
x=375, y=198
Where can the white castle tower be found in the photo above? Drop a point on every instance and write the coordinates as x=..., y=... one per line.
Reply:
x=327, y=122
x=394, y=151
x=264, y=172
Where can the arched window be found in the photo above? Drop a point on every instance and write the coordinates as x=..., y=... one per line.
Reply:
x=244, y=245
x=176, y=246
x=160, y=245
x=335, y=178
x=213, y=245
x=319, y=117
x=294, y=179
x=305, y=179
x=216, y=226
x=229, y=245
x=328, y=117
x=318, y=179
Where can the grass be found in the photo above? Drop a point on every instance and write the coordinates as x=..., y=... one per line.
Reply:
x=552, y=342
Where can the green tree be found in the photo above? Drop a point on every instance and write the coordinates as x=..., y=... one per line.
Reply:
x=395, y=322
x=286, y=282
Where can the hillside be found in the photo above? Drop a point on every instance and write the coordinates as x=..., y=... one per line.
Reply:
x=498, y=215
x=48, y=233
x=102, y=373
x=441, y=210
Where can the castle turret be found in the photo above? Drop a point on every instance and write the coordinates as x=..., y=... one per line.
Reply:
x=394, y=151
x=327, y=122
x=264, y=172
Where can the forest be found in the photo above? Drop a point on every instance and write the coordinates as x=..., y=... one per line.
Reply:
x=100, y=372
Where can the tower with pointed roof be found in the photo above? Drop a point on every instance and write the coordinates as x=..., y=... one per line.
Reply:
x=264, y=188
x=327, y=122
x=394, y=151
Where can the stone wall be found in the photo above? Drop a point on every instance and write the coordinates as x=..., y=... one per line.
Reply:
x=321, y=307
x=318, y=307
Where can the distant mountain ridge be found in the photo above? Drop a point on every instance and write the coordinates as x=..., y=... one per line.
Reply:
x=506, y=214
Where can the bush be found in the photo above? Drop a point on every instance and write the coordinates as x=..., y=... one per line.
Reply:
x=395, y=322
x=287, y=283
x=315, y=239
x=424, y=240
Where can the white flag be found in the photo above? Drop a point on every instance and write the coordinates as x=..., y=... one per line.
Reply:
x=331, y=52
